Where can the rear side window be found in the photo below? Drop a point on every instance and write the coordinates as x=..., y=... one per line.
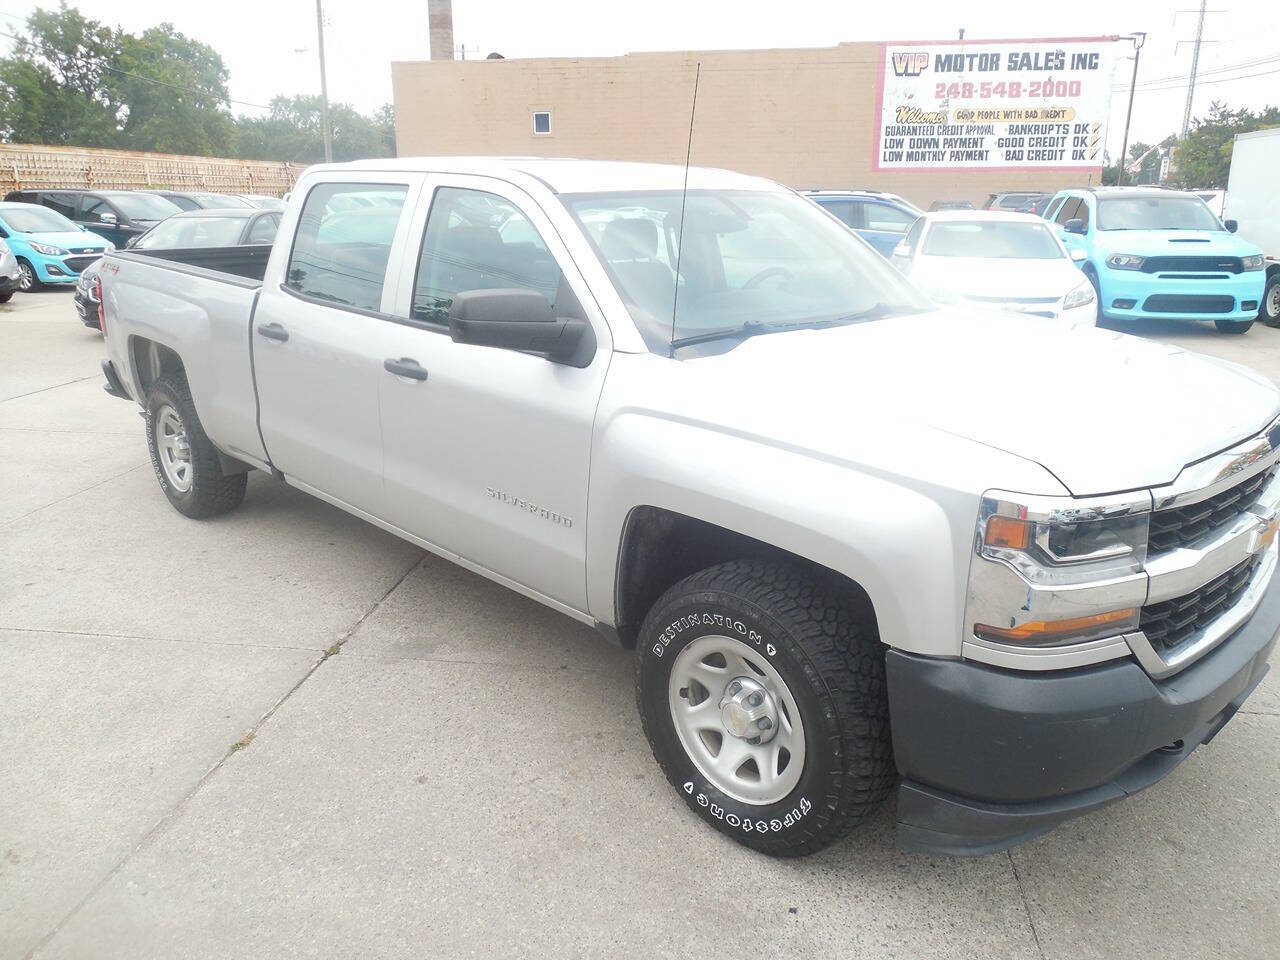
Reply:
x=480, y=241
x=846, y=211
x=64, y=203
x=881, y=216
x=1053, y=207
x=343, y=243
x=1069, y=210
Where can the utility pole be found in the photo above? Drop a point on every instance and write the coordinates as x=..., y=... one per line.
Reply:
x=1195, y=62
x=324, y=87
x=1138, y=38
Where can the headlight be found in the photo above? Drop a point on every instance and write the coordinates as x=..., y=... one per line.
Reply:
x=1125, y=261
x=47, y=250
x=1252, y=263
x=1056, y=571
x=1078, y=297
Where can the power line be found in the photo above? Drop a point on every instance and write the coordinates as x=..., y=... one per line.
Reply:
x=1221, y=68
x=1202, y=83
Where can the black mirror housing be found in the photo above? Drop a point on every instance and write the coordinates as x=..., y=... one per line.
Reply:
x=1231, y=225
x=523, y=320
x=1074, y=225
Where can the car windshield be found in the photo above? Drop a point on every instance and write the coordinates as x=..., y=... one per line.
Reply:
x=214, y=201
x=143, y=206
x=1155, y=213
x=751, y=259
x=991, y=239
x=179, y=232
x=35, y=219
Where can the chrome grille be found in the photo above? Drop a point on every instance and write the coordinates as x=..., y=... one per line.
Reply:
x=1170, y=623
x=1183, y=526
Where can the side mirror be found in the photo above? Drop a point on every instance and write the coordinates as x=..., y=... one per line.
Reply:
x=1074, y=225
x=1231, y=225
x=520, y=320
x=108, y=218
x=1078, y=255
x=902, y=250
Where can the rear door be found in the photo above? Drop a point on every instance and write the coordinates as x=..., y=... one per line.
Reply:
x=318, y=336
x=488, y=456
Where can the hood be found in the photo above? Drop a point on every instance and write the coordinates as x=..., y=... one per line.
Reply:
x=69, y=239
x=1102, y=411
x=985, y=278
x=1175, y=243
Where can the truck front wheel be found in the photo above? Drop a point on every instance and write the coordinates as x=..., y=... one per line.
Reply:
x=761, y=688
x=186, y=462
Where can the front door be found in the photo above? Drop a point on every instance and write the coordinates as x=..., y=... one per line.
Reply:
x=488, y=457
x=317, y=338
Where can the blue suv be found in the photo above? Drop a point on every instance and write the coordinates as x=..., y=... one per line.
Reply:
x=1151, y=252
x=882, y=219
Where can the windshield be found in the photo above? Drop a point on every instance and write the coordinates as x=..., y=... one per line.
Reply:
x=1155, y=213
x=35, y=219
x=143, y=206
x=991, y=238
x=215, y=201
x=192, y=232
x=755, y=258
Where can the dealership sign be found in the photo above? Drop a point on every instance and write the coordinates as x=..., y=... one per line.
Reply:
x=1009, y=104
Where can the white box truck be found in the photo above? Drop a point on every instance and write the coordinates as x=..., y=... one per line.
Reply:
x=1253, y=200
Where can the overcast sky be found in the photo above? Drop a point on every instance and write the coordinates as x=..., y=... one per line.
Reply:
x=258, y=38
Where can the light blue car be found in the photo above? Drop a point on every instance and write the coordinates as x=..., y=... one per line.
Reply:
x=49, y=248
x=1151, y=252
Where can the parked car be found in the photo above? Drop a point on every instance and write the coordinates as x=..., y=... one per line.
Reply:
x=211, y=228
x=10, y=275
x=263, y=201
x=790, y=494
x=1016, y=201
x=1151, y=252
x=200, y=199
x=950, y=205
x=1012, y=261
x=1037, y=206
x=116, y=215
x=86, y=295
x=49, y=248
x=1254, y=200
x=879, y=218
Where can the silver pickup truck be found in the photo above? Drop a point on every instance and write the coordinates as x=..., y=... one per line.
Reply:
x=857, y=542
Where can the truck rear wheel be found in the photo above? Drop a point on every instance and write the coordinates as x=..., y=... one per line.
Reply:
x=186, y=462
x=1270, y=312
x=761, y=688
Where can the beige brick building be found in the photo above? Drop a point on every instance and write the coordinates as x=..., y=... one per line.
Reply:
x=805, y=117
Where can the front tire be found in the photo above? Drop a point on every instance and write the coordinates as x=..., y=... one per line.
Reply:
x=186, y=462
x=1233, y=326
x=28, y=279
x=1270, y=312
x=761, y=688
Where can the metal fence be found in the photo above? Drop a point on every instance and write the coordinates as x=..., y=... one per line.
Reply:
x=32, y=166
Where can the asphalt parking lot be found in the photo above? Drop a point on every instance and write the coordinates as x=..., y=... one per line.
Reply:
x=284, y=733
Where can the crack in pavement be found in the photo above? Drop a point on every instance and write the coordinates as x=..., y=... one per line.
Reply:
x=69, y=496
x=1026, y=904
x=208, y=774
x=32, y=393
x=141, y=636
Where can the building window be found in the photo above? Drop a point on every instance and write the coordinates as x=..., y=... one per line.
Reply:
x=541, y=123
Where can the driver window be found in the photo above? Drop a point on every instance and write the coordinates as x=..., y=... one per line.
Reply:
x=94, y=208
x=480, y=241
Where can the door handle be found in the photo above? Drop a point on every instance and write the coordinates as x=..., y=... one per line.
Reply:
x=404, y=367
x=273, y=331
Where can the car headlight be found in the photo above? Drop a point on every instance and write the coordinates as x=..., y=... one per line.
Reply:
x=1079, y=297
x=1087, y=553
x=1125, y=261
x=1252, y=263
x=48, y=250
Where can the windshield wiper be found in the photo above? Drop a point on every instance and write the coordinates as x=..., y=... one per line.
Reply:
x=753, y=327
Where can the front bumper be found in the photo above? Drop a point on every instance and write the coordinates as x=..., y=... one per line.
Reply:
x=1179, y=297
x=991, y=758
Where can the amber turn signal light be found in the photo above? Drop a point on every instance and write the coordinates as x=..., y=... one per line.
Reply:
x=1051, y=631
x=1008, y=532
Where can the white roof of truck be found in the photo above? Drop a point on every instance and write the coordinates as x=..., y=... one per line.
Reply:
x=569, y=175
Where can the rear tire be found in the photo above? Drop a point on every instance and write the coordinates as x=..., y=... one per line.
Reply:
x=6, y=296
x=186, y=462
x=804, y=639
x=1270, y=311
x=1233, y=326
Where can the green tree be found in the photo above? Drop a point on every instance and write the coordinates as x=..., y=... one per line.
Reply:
x=1203, y=159
x=55, y=87
x=292, y=131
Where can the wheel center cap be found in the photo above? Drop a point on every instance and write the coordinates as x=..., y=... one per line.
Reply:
x=748, y=711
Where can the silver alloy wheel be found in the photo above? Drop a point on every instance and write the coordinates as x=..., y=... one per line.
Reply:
x=736, y=719
x=26, y=276
x=1273, y=302
x=172, y=447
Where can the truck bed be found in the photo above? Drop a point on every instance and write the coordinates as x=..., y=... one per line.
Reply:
x=236, y=264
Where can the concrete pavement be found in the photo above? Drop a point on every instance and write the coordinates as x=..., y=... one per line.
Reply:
x=285, y=733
